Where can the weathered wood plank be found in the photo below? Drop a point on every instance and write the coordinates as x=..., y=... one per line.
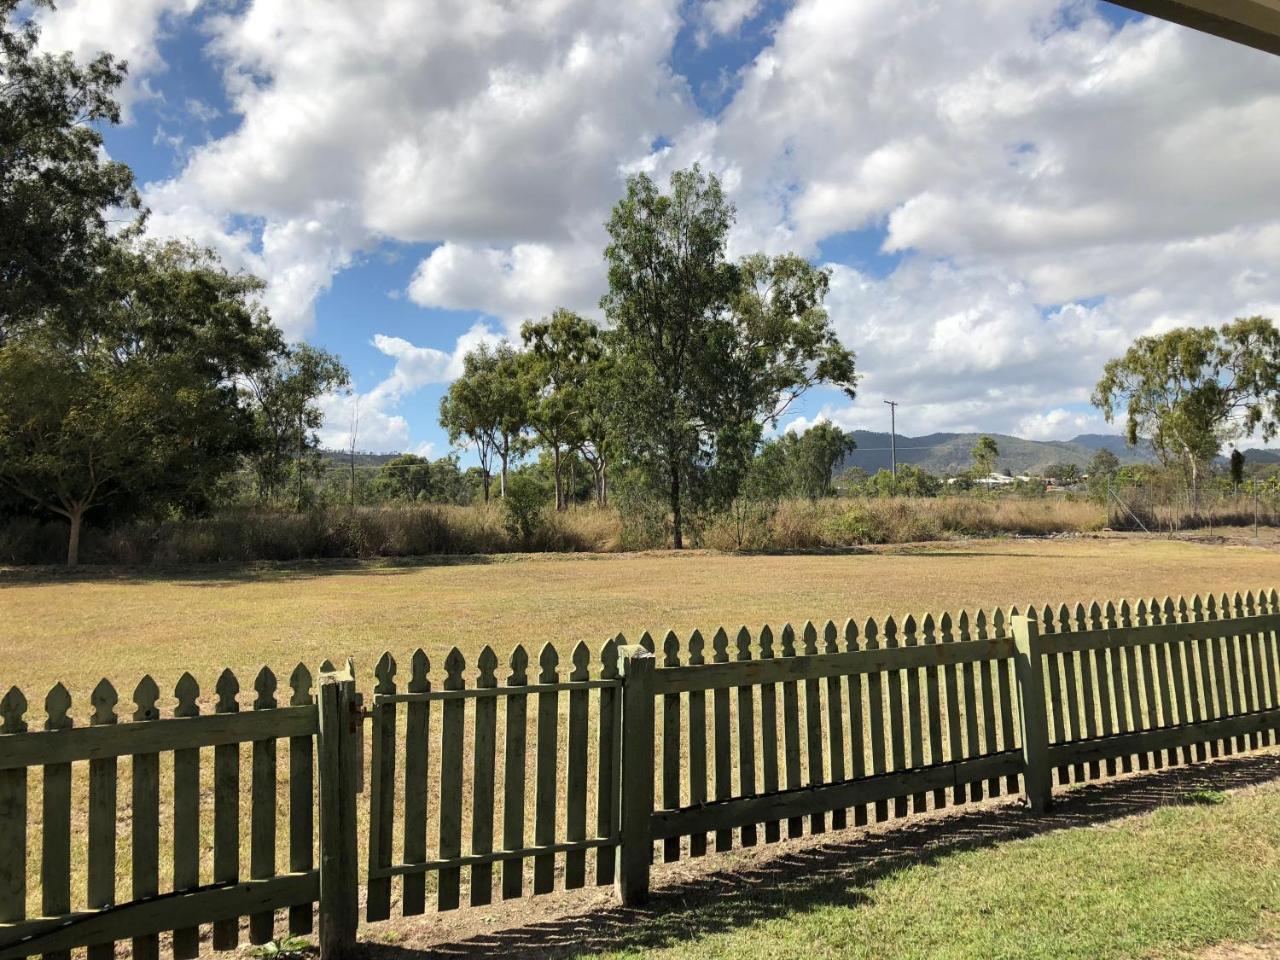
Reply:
x=145, y=814
x=722, y=749
x=895, y=680
x=804, y=800
x=1130, y=635
x=857, y=738
x=955, y=713
x=417, y=748
x=671, y=761
x=1007, y=682
x=451, y=759
x=607, y=761
x=1031, y=707
x=338, y=745
x=101, y=880
x=1053, y=666
x=575, y=863
x=972, y=708
x=635, y=847
x=382, y=788
x=513, y=777
x=875, y=708
x=769, y=734
x=302, y=820
x=55, y=845
x=1167, y=738
x=835, y=726
x=1071, y=680
x=13, y=816
x=987, y=670
x=186, y=816
x=866, y=662
x=1178, y=707
x=914, y=707
x=746, y=737
x=1137, y=711
x=544, y=822
x=697, y=741
x=484, y=770
x=791, y=730
x=226, y=811
x=1102, y=682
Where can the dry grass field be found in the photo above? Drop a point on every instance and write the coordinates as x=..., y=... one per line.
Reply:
x=78, y=628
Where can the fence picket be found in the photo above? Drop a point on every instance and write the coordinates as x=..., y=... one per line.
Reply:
x=301, y=800
x=145, y=815
x=1156, y=684
x=13, y=816
x=835, y=723
x=951, y=681
x=746, y=737
x=1252, y=667
x=226, y=811
x=262, y=810
x=1005, y=680
x=1178, y=691
x=875, y=697
x=1101, y=685
x=914, y=708
x=986, y=680
x=544, y=823
x=897, y=714
x=791, y=730
x=1076, y=699
x=514, y=754
x=697, y=745
x=723, y=751
x=416, y=754
x=451, y=743
x=1221, y=679
x=382, y=797
x=186, y=815
x=1234, y=668
x=55, y=844
x=607, y=761
x=575, y=862
x=933, y=696
x=813, y=726
x=671, y=745
x=1137, y=715
x=1267, y=604
x=968, y=682
x=768, y=733
x=483, y=770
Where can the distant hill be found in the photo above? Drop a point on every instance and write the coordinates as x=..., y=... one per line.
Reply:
x=942, y=453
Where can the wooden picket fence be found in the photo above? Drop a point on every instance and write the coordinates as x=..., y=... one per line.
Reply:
x=553, y=777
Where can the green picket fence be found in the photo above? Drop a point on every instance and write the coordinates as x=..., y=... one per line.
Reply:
x=524, y=778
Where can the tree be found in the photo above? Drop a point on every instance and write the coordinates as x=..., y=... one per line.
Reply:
x=778, y=343
x=669, y=286
x=286, y=414
x=406, y=477
x=1064, y=472
x=799, y=464
x=56, y=182
x=135, y=407
x=1190, y=390
x=1237, y=469
x=560, y=352
x=1102, y=470
x=984, y=453
x=472, y=410
x=600, y=409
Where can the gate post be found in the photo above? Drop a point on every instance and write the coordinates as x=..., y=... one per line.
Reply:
x=1028, y=658
x=337, y=769
x=635, y=800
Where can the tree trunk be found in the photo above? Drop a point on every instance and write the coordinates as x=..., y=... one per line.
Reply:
x=1195, y=487
x=502, y=479
x=677, y=540
x=484, y=482
x=559, y=489
x=75, y=517
x=604, y=483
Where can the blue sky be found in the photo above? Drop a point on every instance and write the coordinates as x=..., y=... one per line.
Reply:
x=1006, y=192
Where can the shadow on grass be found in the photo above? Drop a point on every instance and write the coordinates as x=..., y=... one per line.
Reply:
x=834, y=873
x=227, y=574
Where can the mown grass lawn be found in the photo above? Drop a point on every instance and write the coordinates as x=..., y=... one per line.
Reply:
x=1163, y=884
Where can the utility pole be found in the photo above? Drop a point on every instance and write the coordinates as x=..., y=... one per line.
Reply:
x=893, y=441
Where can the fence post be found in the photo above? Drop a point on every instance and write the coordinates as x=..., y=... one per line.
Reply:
x=635, y=842
x=1036, y=777
x=340, y=731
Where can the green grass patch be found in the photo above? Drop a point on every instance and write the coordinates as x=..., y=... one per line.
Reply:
x=1203, y=798
x=1162, y=884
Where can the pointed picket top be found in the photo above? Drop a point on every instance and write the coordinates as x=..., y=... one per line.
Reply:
x=227, y=688
x=1140, y=613
x=999, y=621
x=788, y=641
x=1274, y=597
x=850, y=634
x=57, y=704
x=300, y=685
x=871, y=633
x=890, y=631
x=187, y=691
x=13, y=706
x=671, y=650
x=945, y=628
x=519, y=664
x=909, y=630
x=766, y=642
x=454, y=664
x=1079, y=617
x=1126, y=619
x=695, y=647
x=264, y=685
x=103, y=700
x=145, y=695
x=326, y=666
x=1044, y=617
x=720, y=646
x=1197, y=608
x=548, y=661
x=1063, y=620
x=1095, y=615
x=952, y=630
x=1237, y=603
x=419, y=670
x=929, y=629
x=609, y=660
x=384, y=671
x=581, y=662
x=1182, y=610
x=487, y=667
x=810, y=638
x=1170, y=610
x=1155, y=612
x=646, y=641
x=979, y=625
x=830, y=636
x=743, y=643
x=1211, y=608
x=1109, y=615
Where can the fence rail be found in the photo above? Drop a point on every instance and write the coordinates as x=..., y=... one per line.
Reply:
x=539, y=776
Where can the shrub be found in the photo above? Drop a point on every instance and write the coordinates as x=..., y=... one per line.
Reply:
x=523, y=506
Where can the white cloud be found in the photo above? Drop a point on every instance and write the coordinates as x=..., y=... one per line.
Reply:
x=129, y=30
